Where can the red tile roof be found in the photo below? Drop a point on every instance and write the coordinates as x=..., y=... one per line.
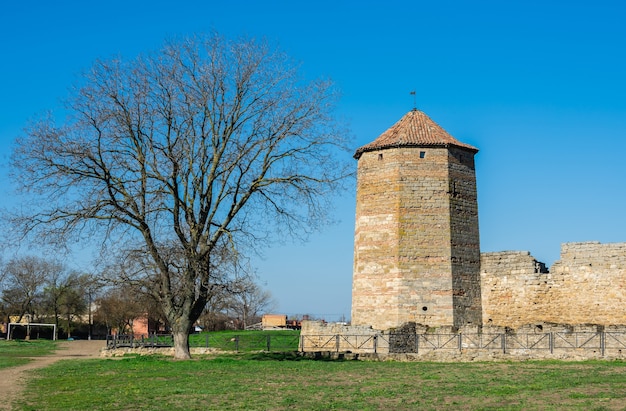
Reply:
x=415, y=129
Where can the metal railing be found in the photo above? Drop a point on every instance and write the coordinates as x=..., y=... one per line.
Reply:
x=603, y=343
x=507, y=343
x=238, y=343
x=139, y=341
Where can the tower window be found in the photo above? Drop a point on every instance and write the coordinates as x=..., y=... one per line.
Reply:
x=422, y=154
x=380, y=156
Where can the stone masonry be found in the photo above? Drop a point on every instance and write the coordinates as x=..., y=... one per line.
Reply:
x=416, y=251
x=421, y=285
x=416, y=248
x=586, y=286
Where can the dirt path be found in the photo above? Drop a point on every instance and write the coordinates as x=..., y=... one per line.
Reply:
x=13, y=379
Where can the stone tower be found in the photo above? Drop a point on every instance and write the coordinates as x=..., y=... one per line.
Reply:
x=416, y=249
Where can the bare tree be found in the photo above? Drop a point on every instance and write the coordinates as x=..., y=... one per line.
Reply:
x=54, y=287
x=25, y=279
x=206, y=145
x=67, y=295
x=91, y=286
x=73, y=301
x=248, y=301
x=118, y=308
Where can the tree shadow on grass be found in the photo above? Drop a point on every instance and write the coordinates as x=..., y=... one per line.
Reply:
x=290, y=356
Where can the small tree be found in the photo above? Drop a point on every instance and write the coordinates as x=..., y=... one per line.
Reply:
x=91, y=287
x=67, y=295
x=73, y=302
x=205, y=146
x=25, y=279
x=117, y=308
x=215, y=317
x=53, y=290
x=248, y=301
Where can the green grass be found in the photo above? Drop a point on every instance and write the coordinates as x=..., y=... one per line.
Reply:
x=18, y=352
x=261, y=381
x=247, y=341
x=240, y=341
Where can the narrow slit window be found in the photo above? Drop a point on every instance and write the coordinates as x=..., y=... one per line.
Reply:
x=380, y=156
x=422, y=154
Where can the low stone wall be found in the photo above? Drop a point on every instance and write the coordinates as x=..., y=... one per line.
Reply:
x=413, y=342
x=321, y=336
x=167, y=351
x=462, y=356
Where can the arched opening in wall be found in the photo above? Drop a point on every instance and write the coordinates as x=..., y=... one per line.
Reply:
x=380, y=156
x=539, y=327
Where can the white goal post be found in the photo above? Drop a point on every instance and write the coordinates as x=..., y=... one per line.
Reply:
x=28, y=325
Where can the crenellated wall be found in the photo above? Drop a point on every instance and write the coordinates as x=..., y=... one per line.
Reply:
x=586, y=286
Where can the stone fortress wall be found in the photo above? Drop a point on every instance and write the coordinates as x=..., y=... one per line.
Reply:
x=586, y=286
x=416, y=239
x=575, y=309
x=419, y=278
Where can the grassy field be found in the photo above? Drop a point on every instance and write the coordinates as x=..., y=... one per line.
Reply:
x=286, y=382
x=17, y=352
x=247, y=341
x=240, y=341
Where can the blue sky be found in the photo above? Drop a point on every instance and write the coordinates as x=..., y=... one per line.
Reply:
x=538, y=86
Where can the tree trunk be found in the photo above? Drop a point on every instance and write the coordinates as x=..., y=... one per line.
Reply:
x=69, y=319
x=56, y=322
x=181, y=340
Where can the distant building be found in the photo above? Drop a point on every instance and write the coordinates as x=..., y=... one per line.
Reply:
x=279, y=321
x=269, y=321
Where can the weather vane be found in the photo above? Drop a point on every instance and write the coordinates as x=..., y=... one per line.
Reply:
x=414, y=100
